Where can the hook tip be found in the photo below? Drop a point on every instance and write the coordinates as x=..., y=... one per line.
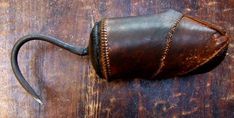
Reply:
x=38, y=100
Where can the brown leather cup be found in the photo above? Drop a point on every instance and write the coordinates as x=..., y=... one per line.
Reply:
x=163, y=45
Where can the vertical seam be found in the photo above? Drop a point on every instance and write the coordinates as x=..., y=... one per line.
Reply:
x=105, y=61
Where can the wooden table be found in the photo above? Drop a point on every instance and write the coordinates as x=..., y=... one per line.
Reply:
x=68, y=84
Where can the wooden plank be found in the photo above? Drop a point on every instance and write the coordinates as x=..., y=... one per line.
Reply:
x=68, y=83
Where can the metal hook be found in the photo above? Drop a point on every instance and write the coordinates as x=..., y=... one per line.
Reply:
x=14, y=61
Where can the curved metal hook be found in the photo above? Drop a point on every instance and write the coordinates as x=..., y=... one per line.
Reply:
x=14, y=54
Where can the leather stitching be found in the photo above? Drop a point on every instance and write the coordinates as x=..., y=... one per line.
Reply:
x=105, y=51
x=169, y=39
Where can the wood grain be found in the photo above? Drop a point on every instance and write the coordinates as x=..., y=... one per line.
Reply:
x=68, y=84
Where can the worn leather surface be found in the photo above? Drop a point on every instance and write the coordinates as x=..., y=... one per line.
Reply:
x=166, y=44
x=193, y=45
x=136, y=43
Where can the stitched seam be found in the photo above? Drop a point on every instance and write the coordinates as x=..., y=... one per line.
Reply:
x=105, y=51
x=169, y=38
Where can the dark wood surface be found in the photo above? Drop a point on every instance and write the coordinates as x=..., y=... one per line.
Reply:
x=68, y=84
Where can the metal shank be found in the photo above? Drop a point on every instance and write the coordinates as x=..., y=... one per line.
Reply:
x=52, y=40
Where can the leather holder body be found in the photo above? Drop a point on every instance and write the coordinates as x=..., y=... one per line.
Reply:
x=163, y=45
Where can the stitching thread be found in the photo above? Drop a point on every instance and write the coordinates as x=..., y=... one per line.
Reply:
x=169, y=38
x=105, y=51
